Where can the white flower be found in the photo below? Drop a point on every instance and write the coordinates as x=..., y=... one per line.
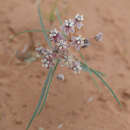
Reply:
x=78, y=21
x=55, y=35
x=77, y=42
x=68, y=26
x=99, y=37
x=79, y=17
x=61, y=45
x=48, y=60
x=76, y=67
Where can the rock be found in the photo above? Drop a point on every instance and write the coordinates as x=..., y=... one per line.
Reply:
x=60, y=77
x=60, y=126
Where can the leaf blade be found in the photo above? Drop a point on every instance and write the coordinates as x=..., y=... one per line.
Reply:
x=43, y=27
x=40, y=99
x=44, y=101
x=86, y=68
x=107, y=86
x=58, y=16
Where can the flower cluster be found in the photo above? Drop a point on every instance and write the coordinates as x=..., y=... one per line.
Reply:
x=68, y=27
x=78, y=42
x=48, y=60
x=62, y=42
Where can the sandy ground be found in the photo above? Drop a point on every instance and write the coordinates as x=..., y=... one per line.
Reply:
x=69, y=102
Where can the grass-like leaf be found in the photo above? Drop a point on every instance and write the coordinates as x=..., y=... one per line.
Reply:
x=60, y=20
x=106, y=85
x=95, y=82
x=50, y=73
x=52, y=16
x=43, y=27
x=58, y=16
x=41, y=98
x=85, y=68
x=19, y=33
x=89, y=71
x=101, y=73
x=44, y=101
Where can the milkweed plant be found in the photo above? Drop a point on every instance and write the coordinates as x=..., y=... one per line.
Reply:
x=60, y=41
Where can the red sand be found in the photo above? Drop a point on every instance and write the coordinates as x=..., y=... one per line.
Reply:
x=67, y=104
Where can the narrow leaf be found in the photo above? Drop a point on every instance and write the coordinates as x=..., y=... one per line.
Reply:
x=58, y=16
x=44, y=101
x=85, y=68
x=106, y=85
x=43, y=26
x=52, y=12
x=40, y=100
x=95, y=83
x=60, y=21
x=85, y=65
x=100, y=73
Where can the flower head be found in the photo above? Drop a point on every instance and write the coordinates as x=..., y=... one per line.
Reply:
x=76, y=67
x=55, y=35
x=48, y=60
x=77, y=42
x=68, y=26
x=72, y=63
x=61, y=45
x=60, y=50
x=78, y=21
x=99, y=37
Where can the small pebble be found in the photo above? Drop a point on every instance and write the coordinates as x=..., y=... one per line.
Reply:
x=90, y=99
x=60, y=126
x=41, y=128
x=60, y=77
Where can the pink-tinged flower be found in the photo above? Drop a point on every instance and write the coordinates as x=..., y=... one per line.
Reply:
x=76, y=67
x=61, y=49
x=61, y=45
x=55, y=36
x=99, y=37
x=72, y=63
x=48, y=60
x=77, y=42
x=68, y=27
x=78, y=21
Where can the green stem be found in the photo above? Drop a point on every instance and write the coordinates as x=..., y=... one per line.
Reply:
x=40, y=100
x=50, y=81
